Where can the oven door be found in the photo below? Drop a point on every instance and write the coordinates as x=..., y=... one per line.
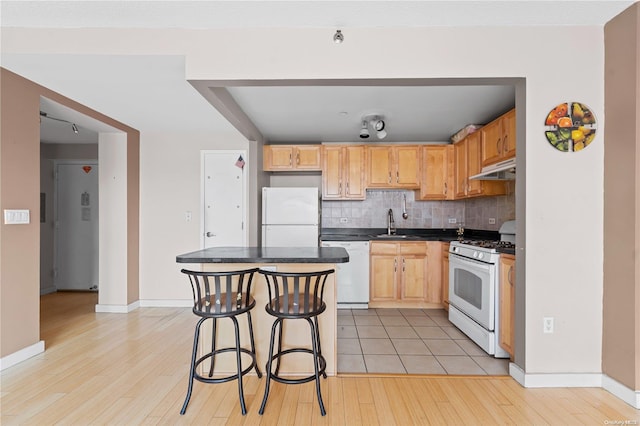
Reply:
x=472, y=289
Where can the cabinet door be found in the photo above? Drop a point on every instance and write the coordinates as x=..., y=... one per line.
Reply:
x=379, y=170
x=413, y=272
x=332, y=172
x=382, y=277
x=445, y=275
x=509, y=135
x=353, y=171
x=436, y=170
x=474, y=164
x=406, y=167
x=492, y=143
x=278, y=157
x=307, y=157
x=460, y=154
x=507, y=302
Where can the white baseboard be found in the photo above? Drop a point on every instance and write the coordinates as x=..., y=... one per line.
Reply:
x=47, y=290
x=555, y=380
x=118, y=309
x=585, y=380
x=616, y=388
x=21, y=355
x=166, y=303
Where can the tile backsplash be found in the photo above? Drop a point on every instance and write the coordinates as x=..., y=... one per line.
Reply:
x=372, y=212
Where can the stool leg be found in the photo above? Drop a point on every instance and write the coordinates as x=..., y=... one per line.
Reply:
x=196, y=337
x=213, y=345
x=269, y=362
x=279, y=345
x=253, y=347
x=239, y=362
x=315, y=344
x=324, y=373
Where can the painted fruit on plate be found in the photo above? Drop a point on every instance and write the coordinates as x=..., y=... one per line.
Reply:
x=570, y=126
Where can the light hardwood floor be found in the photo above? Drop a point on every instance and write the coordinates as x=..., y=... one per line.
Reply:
x=132, y=369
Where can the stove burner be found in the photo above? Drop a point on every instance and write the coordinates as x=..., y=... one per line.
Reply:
x=489, y=244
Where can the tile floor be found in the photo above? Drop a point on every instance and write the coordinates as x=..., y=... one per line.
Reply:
x=414, y=341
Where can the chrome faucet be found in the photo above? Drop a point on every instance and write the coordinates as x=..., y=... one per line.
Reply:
x=391, y=224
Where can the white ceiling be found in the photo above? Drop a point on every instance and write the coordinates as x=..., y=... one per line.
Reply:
x=121, y=86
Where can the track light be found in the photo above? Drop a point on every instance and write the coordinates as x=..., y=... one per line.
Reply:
x=73, y=125
x=338, y=37
x=364, y=131
x=378, y=125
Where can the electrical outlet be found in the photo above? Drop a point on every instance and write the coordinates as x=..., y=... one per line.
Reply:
x=344, y=220
x=547, y=325
x=452, y=220
x=188, y=216
x=492, y=221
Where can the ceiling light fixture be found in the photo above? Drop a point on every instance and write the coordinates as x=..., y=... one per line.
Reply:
x=338, y=37
x=364, y=131
x=73, y=125
x=378, y=125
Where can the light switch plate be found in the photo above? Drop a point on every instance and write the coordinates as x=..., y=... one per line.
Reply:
x=16, y=217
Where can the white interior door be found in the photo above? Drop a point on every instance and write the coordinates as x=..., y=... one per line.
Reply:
x=76, y=227
x=224, y=194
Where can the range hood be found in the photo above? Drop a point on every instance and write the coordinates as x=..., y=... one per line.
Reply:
x=505, y=170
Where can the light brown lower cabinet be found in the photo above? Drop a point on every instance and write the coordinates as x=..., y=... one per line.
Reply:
x=445, y=276
x=400, y=275
x=507, y=302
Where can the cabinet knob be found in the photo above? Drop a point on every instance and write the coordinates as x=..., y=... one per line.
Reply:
x=499, y=145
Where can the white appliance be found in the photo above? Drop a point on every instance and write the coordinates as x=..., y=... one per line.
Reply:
x=352, y=277
x=473, y=288
x=290, y=217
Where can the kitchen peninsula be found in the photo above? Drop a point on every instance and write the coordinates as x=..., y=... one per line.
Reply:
x=281, y=259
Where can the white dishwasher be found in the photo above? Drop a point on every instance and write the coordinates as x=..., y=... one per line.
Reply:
x=353, y=276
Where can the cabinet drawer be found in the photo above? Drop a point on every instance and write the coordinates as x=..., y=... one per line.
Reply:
x=415, y=248
x=383, y=247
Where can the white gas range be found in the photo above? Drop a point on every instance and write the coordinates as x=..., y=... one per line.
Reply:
x=473, y=288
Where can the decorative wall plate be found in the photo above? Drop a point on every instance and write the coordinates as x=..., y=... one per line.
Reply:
x=570, y=127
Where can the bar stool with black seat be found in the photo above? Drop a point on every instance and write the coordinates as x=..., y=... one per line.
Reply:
x=219, y=295
x=295, y=296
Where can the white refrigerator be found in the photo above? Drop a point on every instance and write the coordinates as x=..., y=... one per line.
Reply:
x=290, y=217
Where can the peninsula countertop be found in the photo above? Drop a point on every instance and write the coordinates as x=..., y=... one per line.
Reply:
x=266, y=255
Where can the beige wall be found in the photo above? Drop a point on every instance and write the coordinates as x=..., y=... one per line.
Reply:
x=20, y=244
x=621, y=313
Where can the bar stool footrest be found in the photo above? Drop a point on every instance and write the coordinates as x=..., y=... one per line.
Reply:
x=322, y=366
x=207, y=379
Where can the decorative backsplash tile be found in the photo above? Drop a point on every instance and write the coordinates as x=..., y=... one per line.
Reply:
x=372, y=212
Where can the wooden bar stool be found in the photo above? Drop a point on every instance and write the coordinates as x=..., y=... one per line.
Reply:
x=295, y=296
x=219, y=295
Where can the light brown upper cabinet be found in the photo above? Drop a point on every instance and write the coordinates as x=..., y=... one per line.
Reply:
x=468, y=162
x=438, y=168
x=287, y=158
x=499, y=139
x=393, y=166
x=343, y=172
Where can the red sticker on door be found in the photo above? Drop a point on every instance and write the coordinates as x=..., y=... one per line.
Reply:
x=86, y=169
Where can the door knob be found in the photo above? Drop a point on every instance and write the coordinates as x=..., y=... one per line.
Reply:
x=210, y=234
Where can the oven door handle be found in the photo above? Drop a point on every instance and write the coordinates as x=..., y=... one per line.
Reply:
x=462, y=259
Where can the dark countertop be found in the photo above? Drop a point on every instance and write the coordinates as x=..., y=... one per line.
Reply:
x=506, y=250
x=266, y=255
x=403, y=234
